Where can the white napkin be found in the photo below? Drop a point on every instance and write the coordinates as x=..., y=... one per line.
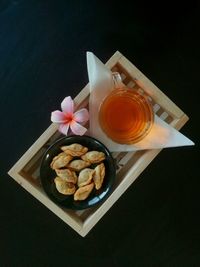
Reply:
x=162, y=135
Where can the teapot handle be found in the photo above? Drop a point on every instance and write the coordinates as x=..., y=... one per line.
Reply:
x=117, y=80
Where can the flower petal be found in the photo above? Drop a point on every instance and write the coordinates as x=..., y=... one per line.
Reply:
x=81, y=115
x=63, y=128
x=77, y=128
x=58, y=116
x=67, y=105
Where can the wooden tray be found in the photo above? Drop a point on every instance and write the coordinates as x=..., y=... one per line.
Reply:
x=129, y=165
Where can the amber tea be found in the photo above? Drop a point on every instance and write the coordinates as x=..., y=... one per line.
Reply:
x=126, y=116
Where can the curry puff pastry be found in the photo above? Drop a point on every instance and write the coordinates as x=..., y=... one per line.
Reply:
x=78, y=176
x=93, y=156
x=75, y=150
x=83, y=192
x=67, y=175
x=61, y=160
x=64, y=187
x=78, y=165
x=85, y=177
x=99, y=175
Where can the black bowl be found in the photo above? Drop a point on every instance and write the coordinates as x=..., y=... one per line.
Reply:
x=47, y=175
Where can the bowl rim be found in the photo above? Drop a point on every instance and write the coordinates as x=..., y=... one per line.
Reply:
x=111, y=163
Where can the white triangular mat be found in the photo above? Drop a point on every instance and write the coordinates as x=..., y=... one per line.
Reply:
x=162, y=135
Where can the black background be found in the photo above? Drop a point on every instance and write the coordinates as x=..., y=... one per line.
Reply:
x=43, y=48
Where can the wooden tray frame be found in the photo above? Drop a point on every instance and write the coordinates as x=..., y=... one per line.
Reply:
x=130, y=165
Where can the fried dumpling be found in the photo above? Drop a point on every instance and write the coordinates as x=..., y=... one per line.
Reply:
x=99, y=175
x=67, y=175
x=61, y=160
x=83, y=192
x=93, y=156
x=85, y=176
x=64, y=187
x=75, y=150
x=78, y=165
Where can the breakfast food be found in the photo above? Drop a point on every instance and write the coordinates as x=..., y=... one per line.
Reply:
x=61, y=160
x=78, y=171
x=93, y=156
x=83, y=192
x=67, y=175
x=99, y=175
x=78, y=165
x=64, y=187
x=85, y=177
x=75, y=150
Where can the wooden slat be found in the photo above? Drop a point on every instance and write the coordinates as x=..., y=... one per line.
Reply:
x=151, y=88
x=29, y=154
x=73, y=221
x=131, y=164
x=131, y=176
x=114, y=59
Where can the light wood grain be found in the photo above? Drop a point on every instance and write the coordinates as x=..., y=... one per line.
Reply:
x=150, y=88
x=131, y=164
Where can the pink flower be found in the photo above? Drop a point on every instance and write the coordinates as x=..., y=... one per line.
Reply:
x=68, y=119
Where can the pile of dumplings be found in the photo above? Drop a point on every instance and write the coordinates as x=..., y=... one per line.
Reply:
x=74, y=177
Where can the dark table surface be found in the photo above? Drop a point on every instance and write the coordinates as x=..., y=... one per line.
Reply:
x=43, y=48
